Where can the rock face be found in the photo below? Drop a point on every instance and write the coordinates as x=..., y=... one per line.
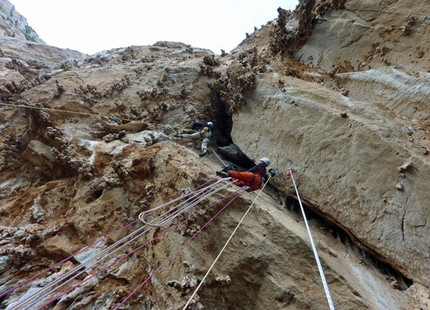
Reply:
x=372, y=191
x=13, y=24
x=335, y=90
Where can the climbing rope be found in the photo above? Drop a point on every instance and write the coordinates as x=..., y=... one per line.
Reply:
x=65, y=260
x=314, y=249
x=94, y=260
x=115, y=247
x=130, y=253
x=235, y=195
x=219, y=158
x=225, y=245
x=197, y=195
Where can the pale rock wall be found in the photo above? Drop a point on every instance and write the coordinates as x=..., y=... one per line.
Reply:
x=347, y=167
x=370, y=34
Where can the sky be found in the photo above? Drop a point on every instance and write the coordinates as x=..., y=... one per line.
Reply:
x=91, y=26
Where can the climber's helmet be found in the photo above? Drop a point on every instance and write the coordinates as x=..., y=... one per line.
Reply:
x=265, y=160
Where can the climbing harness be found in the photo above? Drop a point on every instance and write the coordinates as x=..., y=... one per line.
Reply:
x=314, y=249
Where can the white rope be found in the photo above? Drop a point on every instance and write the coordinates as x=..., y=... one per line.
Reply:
x=90, y=263
x=223, y=163
x=115, y=247
x=326, y=289
x=225, y=245
x=192, y=193
x=193, y=200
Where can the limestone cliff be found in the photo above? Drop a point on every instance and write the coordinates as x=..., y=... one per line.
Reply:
x=13, y=24
x=336, y=90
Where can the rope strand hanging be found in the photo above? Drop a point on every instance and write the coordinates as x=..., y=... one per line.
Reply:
x=225, y=245
x=233, y=196
x=314, y=249
x=98, y=261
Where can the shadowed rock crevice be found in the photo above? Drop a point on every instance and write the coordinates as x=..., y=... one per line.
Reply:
x=223, y=122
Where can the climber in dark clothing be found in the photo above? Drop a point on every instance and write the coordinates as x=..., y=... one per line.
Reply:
x=200, y=126
x=204, y=131
x=251, y=178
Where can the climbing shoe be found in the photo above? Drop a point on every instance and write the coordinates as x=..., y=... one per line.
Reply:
x=222, y=174
x=246, y=188
x=203, y=154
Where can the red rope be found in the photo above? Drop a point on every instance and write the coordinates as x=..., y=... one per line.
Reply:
x=65, y=260
x=87, y=247
x=238, y=192
x=132, y=252
x=79, y=267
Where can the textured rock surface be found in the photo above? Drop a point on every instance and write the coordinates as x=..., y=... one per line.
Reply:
x=87, y=144
x=13, y=24
x=365, y=189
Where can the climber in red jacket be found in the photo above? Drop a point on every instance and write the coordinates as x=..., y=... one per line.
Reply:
x=251, y=178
